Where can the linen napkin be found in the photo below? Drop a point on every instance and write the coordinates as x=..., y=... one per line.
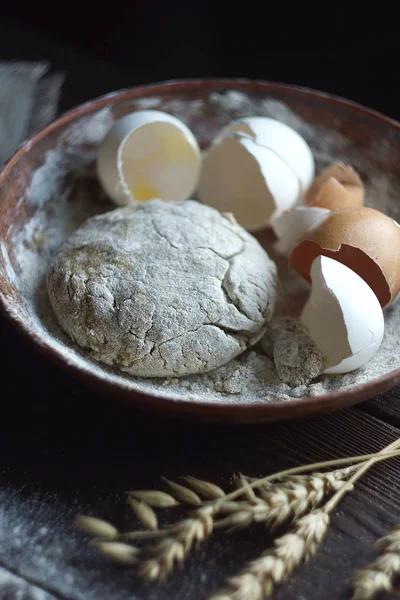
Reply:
x=29, y=96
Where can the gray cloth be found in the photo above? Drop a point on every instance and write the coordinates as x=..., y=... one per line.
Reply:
x=28, y=101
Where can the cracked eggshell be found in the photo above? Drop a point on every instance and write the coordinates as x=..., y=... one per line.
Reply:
x=284, y=141
x=251, y=181
x=364, y=239
x=292, y=225
x=148, y=154
x=338, y=186
x=343, y=316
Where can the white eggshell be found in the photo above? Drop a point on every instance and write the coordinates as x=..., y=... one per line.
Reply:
x=343, y=316
x=291, y=225
x=240, y=176
x=148, y=154
x=281, y=139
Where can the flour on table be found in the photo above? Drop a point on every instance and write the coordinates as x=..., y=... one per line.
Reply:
x=64, y=192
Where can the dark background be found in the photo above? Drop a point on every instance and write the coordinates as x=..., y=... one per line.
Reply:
x=341, y=48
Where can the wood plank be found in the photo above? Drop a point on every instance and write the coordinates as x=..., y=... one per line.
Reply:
x=14, y=587
x=44, y=488
x=385, y=406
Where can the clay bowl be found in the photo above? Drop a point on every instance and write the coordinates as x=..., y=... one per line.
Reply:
x=48, y=188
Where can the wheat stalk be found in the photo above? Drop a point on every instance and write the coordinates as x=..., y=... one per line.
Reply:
x=379, y=575
x=388, y=452
x=275, y=507
x=259, y=577
x=272, y=500
x=337, y=474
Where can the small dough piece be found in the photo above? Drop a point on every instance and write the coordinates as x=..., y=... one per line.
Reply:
x=163, y=289
x=297, y=359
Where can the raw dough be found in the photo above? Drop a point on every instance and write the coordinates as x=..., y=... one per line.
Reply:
x=164, y=289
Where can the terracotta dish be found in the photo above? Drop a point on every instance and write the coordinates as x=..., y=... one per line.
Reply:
x=48, y=188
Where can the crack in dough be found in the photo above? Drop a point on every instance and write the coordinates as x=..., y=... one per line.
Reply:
x=163, y=289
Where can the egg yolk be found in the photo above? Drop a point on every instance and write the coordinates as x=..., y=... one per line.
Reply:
x=144, y=192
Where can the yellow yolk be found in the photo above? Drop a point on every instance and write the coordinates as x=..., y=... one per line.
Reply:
x=144, y=192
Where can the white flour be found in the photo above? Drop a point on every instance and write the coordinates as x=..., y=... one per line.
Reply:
x=64, y=192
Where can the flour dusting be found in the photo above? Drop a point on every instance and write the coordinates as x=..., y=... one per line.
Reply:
x=64, y=192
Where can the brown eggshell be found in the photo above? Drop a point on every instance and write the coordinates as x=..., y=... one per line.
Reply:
x=336, y=187
x=365, y=240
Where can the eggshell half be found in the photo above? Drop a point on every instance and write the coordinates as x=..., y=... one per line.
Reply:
x=148, y=154
x=281, y=139
x=343, y=316
x=292, y=225
x=338, y=186
x=240, y=176
x=363, y=239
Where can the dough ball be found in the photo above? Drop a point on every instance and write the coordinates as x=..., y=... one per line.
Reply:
x=163, y=289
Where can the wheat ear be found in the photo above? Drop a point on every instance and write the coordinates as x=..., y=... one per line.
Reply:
x=279, y=503
x=273, y=507
x=379, y=575
x=292, y=497
x=300, y=495
x=259, y=577
x=173, y=549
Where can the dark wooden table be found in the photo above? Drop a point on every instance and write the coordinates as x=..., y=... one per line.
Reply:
x=65, y=449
